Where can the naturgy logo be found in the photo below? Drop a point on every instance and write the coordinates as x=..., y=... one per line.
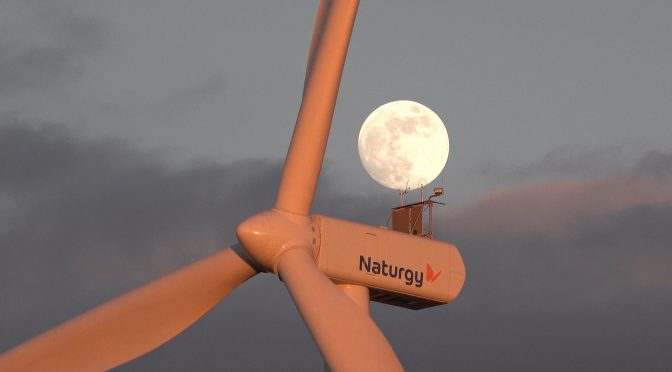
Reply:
x=431, y=276
x=409, y=276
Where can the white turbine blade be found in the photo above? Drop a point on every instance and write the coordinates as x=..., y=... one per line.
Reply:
x=318, y=29
x=309, y=141
x=134, y=323
x=347, y=338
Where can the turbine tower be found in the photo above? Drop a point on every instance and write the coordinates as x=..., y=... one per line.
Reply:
x=312, y=254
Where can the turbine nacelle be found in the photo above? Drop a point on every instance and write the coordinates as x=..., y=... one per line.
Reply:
x=399, y=269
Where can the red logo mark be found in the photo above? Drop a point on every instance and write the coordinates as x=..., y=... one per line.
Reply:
x=431, y=276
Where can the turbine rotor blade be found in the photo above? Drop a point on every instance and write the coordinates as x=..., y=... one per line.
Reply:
x=329, y=47
x=318, y=29
x=134, y=323
x=345, y=334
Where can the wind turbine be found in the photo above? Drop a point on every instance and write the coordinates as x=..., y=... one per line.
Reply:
x=311, y=254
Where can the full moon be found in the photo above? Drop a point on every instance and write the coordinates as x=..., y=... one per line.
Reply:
x=403, y=144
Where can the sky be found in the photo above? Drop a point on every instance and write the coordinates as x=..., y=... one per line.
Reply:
x=136, y=135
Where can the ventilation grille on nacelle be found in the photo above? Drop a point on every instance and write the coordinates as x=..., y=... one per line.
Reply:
x=396, y=299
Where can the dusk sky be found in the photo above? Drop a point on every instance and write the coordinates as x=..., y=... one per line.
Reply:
x=136, y=135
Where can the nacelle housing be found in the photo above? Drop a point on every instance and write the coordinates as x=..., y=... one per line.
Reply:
x=399, y=269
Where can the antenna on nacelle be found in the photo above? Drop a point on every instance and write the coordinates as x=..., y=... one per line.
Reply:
x=422, y=188
x=402, y=193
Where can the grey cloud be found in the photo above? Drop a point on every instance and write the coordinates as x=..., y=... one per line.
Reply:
x=563, y=162
x=176, y=101
x=618, y=219
x=566, y=275
x=561, y=275
x=655, y=164
x=85, y=220
x=101, y=217
x=577, y=284
x=45, y=44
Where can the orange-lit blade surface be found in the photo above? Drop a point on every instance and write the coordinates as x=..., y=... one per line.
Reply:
x=309, y=141
x=318, y=28
x=135, y=323
x=347, y=338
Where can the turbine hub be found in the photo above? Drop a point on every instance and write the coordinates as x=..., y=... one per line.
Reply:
x=267, y=235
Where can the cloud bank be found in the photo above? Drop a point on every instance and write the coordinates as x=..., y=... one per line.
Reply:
x=569, y=273
x=562, y=274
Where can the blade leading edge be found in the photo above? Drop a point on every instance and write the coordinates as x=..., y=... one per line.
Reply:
x=134, y=323
x=347, y=338
x=333, y=28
